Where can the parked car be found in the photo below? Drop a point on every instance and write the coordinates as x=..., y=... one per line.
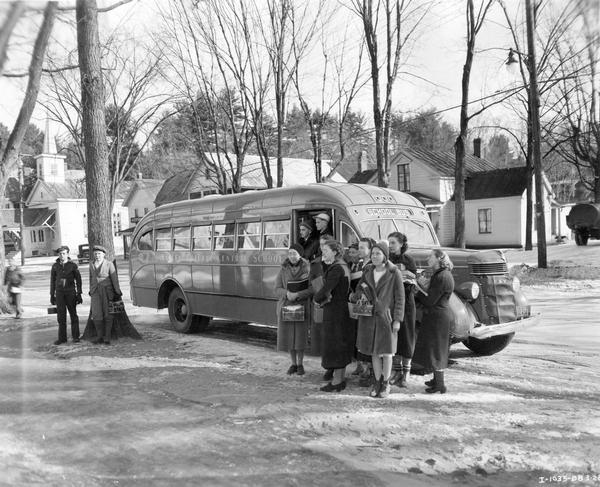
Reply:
x=584, y=220
x=83, y=254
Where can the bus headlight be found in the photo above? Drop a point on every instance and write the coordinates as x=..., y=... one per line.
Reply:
x=516, y=284
x=468, y=290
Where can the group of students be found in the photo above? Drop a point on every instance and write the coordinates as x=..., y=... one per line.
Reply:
x=368, y=301
x=66, y=294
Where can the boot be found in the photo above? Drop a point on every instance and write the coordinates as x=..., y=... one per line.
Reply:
x=376, y=387
x=438, y=377
x=367, y=377
x=397, y=376
x=430, y=383
x=384, y=390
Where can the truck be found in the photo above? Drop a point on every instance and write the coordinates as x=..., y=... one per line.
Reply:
x=584, y=221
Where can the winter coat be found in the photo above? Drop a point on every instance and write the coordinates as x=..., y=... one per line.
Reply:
x=104, y=287
x=337, y=331
x=407, y=336
x=433, y=340
x=311, y=247
x=293, y=335
x=65, y=277
x=375, y=335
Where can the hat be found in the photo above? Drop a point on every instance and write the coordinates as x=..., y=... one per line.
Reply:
x=60, y=249
x=298, y=248
x=100, y=248
x=323, y=216
x=307, y=224
x=383, y=246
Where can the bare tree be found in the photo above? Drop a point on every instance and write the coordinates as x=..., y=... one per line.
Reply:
x=401, y=20
x=474, y=23
x=11, y=150
x=133, y=101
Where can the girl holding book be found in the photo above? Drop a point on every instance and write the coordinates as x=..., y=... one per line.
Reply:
x=293, y=309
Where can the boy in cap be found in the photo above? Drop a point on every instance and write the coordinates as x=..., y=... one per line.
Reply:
x=65, y=293
x=322, y=221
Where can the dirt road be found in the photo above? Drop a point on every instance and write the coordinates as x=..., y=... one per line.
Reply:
x=177, y=410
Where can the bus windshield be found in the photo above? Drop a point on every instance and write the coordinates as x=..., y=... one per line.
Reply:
x=417, y=232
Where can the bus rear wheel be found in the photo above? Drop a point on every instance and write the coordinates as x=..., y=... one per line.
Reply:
x=181, y=317
x=488, y=346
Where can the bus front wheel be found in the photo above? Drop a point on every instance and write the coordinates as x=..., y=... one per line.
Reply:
x=180, y=314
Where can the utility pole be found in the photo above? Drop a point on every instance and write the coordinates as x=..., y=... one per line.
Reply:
x=534, y=105
x=21, y=207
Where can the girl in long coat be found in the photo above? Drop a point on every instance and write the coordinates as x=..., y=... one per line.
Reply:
x=337, y=334
x=407, y=335
x=434, y=336
x=292, y=336
x=377, y=336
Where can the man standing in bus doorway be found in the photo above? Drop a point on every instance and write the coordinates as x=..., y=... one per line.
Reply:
x=65, y=293
x=104, y=287
x=322, y=222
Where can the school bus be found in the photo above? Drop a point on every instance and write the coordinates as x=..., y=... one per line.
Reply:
x=219, y=256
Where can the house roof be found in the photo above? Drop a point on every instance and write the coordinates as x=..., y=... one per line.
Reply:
x=76, y=189
x=296, y=172
x=498, y=183
x=363, y=177
x=153, y=186
x=444, y=162
x=32, y=217
x=426, y=200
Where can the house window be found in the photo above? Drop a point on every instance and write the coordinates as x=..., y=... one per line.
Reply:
x=484, y=216
x=33, y=236
x=116, y=223
x=41, y=235
x=136, y=212
x=403, y=177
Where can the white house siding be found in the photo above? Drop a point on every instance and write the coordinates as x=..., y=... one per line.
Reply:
x=141, y=200
x=504, y=231
x=446, y=227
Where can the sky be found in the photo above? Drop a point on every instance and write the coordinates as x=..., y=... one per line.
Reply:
x=435, y=64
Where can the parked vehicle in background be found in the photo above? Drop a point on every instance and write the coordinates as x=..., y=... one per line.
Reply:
x=584, y=220
x=83, y=254
x=219, y=256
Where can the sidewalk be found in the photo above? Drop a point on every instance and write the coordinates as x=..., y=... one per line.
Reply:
x=40, y=264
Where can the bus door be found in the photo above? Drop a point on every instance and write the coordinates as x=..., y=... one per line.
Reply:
x=276, y=234
x=163, y=246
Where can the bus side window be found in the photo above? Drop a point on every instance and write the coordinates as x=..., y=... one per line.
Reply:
x=202, y=237
x=276, y=234
x=163, y=239
x=223, y=235
x=248, y=235
x=348, y=234
x=181, y=238
x=145, y=241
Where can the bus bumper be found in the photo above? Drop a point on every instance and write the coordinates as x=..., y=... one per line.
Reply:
x=486, y=331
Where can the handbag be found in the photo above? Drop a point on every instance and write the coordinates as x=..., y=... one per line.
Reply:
x=116, y=307
x=361, y=308
x=292, y=312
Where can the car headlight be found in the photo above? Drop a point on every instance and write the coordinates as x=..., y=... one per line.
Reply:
x=468, y=290
x=516, y=284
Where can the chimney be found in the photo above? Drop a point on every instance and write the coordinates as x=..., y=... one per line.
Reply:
x=363, y=161
x=477, y=147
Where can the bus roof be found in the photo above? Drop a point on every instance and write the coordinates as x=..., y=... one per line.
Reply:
x=323, y=194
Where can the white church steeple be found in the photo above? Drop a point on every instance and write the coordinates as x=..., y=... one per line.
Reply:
x=50, y=165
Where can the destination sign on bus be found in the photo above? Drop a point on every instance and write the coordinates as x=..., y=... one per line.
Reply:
x=389, y=212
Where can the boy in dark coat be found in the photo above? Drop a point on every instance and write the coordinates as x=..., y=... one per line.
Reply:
x=65, y=293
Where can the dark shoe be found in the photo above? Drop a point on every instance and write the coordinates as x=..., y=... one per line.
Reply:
x=60, y=342
x=396, y=377
x=329, y=387
x=384, y=390
x=18, y=316
x=96, y=341
x=76, y=340
x=402, y=382
x=292, y=370
x=300, y=370
x=430, y=383
x=376, y=387
x=328, y=375
x=440, y=389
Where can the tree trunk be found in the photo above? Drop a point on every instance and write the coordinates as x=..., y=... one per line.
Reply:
x=529, y=207
x=98, y=180
x=15, y=12
x=13, y=144
x=459, y=193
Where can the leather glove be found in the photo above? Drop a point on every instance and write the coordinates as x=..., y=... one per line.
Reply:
x=79, y=299
x=53, y=300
